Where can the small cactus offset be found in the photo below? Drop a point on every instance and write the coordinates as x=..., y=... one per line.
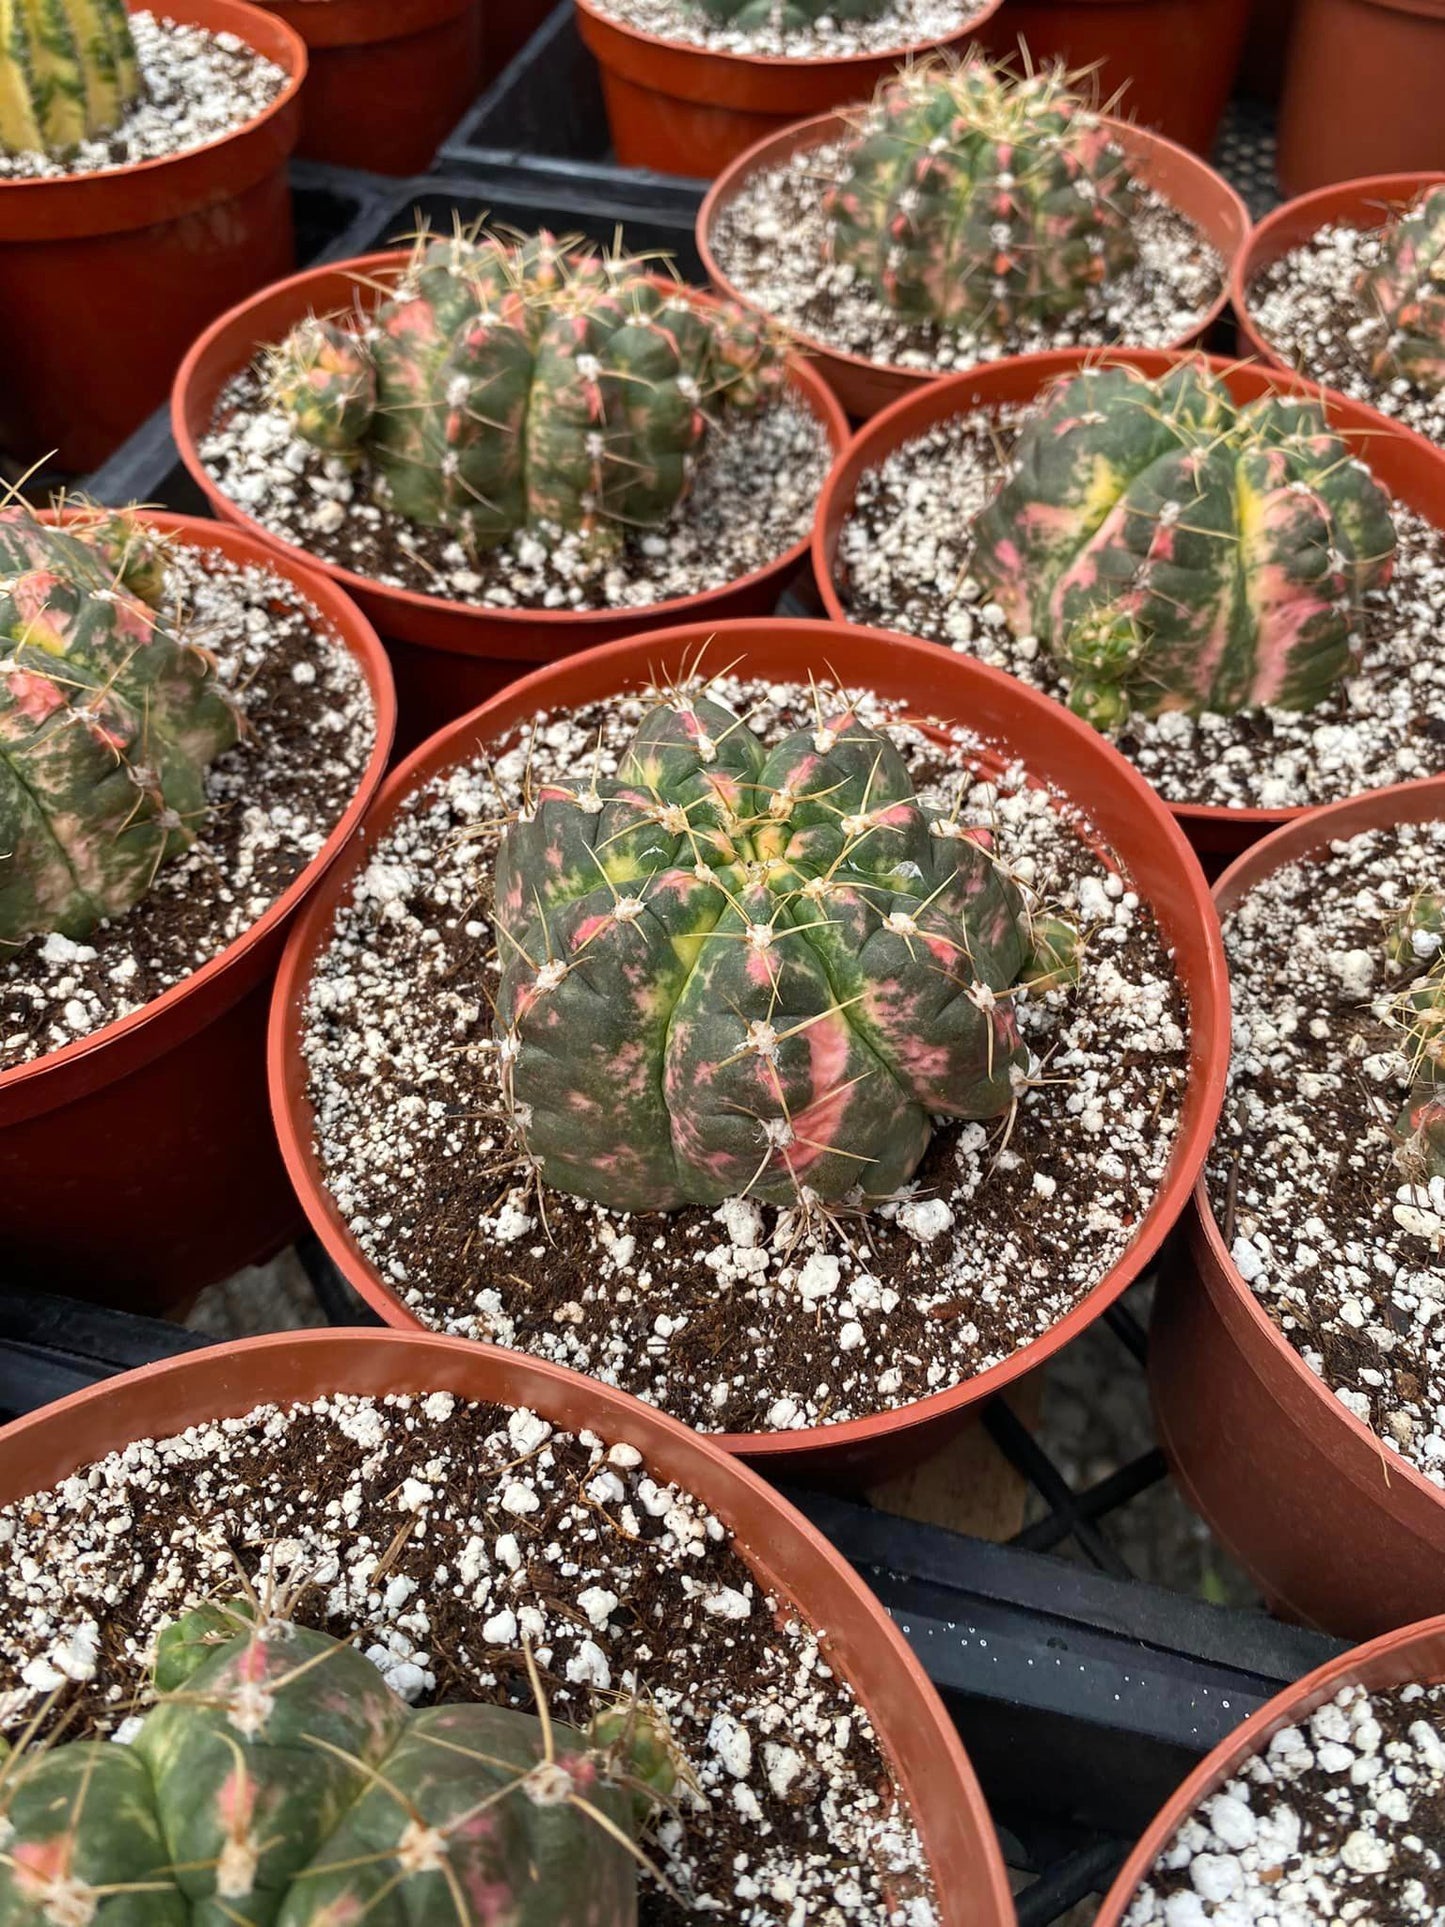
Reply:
x=108, y=720
x=539, y=386
x=739, y=971
x=783, y=15
x=1174, y=551
x=1406, y=290
x=279, y=1782
x=68, y=73
x=983, y=202
x=1414, y=940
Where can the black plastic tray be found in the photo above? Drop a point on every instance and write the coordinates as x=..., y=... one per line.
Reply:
x=547, y=102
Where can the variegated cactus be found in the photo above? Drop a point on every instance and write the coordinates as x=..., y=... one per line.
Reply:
x=740, y=971
x=1416, y=943
x=781, y=15
x=1175, y=551
x=279, y=1782
x=109, y=718
x=983, y=202
x=1405, y=290
x=68, y=73
x=504, y=388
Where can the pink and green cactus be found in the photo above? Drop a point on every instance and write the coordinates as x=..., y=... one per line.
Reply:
x=783, y=15
x=983, y=202
x=68, y=73
x=109, y=718
x=1406, y=291
x=1174, y=551
x=537, y=387
x=1415, y=942
x=278, y=1782
x=740, y=971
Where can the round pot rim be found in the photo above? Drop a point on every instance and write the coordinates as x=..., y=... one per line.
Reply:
x=880, y=433
x=354, y=633
x=1351, y=817
x=803, y=381
x=623, y=1415
x=239, y=13
x=1211, y=1007
x=812, y=133
x=805, y=66
x=1247, y=1739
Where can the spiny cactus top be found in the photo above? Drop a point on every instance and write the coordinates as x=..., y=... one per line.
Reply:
x=781, y=15
x=503, y=388
x=983, y=202
x=1175, y=551
x=68, y=73
x=735, y=970
x=108, y=720
x=1407, y=290
x=1416, y=943
x=280, y=1783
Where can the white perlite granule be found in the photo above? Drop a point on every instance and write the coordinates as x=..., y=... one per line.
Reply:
x=903, y=24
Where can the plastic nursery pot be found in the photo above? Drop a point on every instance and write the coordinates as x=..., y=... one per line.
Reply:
x=1368, y=203
x=683, y=110
x=137, y=1165
x=1409, y=1655
x=1336, y=1529
x=792, y=1561
x=1405, y=462
x=447, y=656
x=105, y=279
x=388, y=79
x=1060, y=752
x=1362, y=91
x=865, y=387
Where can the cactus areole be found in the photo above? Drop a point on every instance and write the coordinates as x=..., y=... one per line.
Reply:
x=68, y=73
x=280, y=1782
x=1406, y=289
x=740, y=971
x=982, y=202
x=108, y=720
x=540, y=387
x=1175, y=551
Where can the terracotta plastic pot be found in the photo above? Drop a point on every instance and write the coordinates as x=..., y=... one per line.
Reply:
x=507, y=26
x=865, y=387
x=1060, y=752
x=1401, y=1658
x=106, y=279
x=447, y=657
x=1335, y=1529
x=791, y=1560
x=388, y=79
x=683, y=110
x=1362, y=91
x=1364, y=204
x=137, y=1165
x=1405, y=462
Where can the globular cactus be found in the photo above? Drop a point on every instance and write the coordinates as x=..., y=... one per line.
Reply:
x=108, y=720
x=1406, y=291
x=1415, y=938
x=1174, y=551
x=783, y=15
x=983, y=202
x=278, y=1782
x=509, y=387
x=68, y=73
x=740, y=971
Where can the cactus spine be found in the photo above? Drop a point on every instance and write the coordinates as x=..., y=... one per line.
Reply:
x=1406, y=290
x=1175, y=551
x=981, y=202
x=68, y=73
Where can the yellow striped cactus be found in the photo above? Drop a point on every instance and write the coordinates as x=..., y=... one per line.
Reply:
x=68, y=73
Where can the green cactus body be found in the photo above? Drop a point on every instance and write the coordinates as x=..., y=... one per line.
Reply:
x=108, y=720
x=1415, y=939
x=1174, y=551
x=783, y=15
x=982, y=202
x=282, y=1784
x=68, y=73
x=738, y=971
x=1407, y=290
x=504, y=388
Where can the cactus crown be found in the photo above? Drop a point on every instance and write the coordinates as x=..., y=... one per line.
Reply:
x=109, y=717
x=740, y=971
x=68, y=73
x=278, y=1782
x=982, y=201
x=783, y=15
x=1174, y=550
x=538, y=385
x=1406, y=291
x=1415, y=942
